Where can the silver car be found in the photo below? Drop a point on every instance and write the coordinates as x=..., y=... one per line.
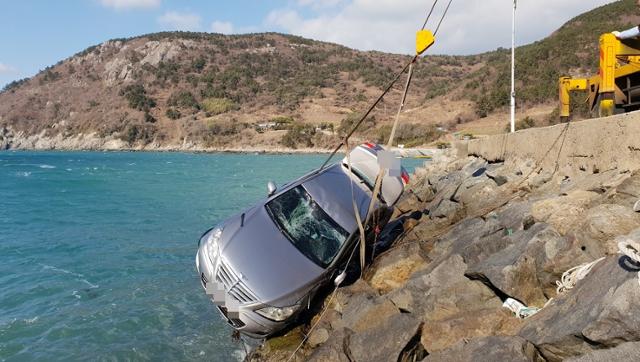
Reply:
x=262, y=267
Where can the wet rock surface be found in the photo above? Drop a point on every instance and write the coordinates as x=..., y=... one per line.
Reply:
x=488, y=232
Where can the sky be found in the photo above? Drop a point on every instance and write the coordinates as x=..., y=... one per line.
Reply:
x=38, y=33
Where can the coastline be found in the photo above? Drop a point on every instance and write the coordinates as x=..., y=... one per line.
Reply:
x=93, y=142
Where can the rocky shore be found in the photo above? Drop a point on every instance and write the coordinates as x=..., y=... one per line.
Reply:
x=480, y=233
x=93, y=142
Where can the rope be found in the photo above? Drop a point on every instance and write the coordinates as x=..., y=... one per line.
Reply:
x=428, y=16
x=442, y=18
x=353, y=130
x=569, y=278
x=378, y=184
x=345, y=142
x=572, y=276
x=355, y=209
x=324, y=310
x=631, y=249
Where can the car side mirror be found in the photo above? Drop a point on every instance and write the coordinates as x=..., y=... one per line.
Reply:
x=271, y=188
x=340, y=278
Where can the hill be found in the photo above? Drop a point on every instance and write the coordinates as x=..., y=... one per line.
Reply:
x=199, y=90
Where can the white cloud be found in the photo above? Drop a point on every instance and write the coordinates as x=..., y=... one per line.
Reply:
x=471, y=26
x=222, y=27
x=319, y=4
x=6, y=69
x=180, y=21
x=130, y=4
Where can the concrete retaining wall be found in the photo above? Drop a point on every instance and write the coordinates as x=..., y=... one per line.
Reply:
x=594, y=145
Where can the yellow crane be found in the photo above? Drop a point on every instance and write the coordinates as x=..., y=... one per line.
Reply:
x=616, y=89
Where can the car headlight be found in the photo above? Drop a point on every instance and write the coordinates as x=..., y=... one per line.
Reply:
x=211, y=244
x=278, y=314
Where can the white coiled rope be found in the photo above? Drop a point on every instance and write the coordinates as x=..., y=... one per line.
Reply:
x=631, y=249
x=569, y=278
x=573, y=275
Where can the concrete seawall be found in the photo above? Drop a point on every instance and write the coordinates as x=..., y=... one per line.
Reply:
x=594, y=145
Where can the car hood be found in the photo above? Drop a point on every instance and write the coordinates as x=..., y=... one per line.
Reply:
x=271, y=266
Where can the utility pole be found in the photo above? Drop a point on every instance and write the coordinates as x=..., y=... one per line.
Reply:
x=513, y=69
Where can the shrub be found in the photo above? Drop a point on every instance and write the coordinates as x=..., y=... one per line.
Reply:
x=282, y=122
x=218, y=105
x=526, y=122
x=199, y=64
x=299, y=134
x=173, y=113
x=136, y=132
x=137, y=97
x=347, y=124
x=409, y=134
x=14, y=85
x=222, y=129
x=148, y=117
x=183, y=99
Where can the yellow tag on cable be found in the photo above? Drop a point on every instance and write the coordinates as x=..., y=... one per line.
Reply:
x=424, y=40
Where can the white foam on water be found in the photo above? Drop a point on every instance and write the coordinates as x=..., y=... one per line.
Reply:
x=239, y=354
x=23, y=174
x=78, y=276
x=31, y=320
x=46, y=166
x=69, y=169
x=91, y=285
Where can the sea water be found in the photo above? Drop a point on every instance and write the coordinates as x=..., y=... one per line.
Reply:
x=97, y=250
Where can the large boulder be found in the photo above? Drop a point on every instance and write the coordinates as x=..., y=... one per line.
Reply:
x=333, y=350
x=628, y=192
x=385, y=341
x=563, y=212
x=600, y=312
x=629, y=351
x=521, y=269
x=603, y=223
x=449, y=304
x=438, y=335
x=513, y=349
x=392, y=270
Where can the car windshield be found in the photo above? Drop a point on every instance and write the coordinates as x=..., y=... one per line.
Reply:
x=307, y=226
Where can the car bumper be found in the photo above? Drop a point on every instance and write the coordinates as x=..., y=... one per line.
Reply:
x=247, y=320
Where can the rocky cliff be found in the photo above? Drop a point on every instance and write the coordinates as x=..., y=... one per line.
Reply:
x=476, y=233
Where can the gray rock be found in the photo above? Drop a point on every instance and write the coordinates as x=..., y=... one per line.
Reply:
x=393, y=269
x=386, y=341
x=317, y=337
x=479, y=195
x=603, y=223
x=443, y=291
x=497, y=177
x=600, y=312
x=492, y=349
x=517, y=269
x=636, y=206
x=333, y=350
x=628, y=191
x=629, y=351
x=448, y=209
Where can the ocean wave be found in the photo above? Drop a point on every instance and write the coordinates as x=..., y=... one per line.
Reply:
x=78, y=276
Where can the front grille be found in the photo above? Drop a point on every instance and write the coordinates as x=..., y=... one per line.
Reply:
x=234, y=285
x=204, y=280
